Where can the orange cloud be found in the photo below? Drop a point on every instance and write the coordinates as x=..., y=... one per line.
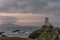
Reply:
x=29, y=21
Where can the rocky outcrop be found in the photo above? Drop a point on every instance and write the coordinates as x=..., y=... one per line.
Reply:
x=46, y=33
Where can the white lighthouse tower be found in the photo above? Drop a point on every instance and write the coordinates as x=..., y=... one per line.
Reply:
x=47, y=22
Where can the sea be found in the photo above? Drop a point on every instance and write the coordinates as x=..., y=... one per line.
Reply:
x=24, y=32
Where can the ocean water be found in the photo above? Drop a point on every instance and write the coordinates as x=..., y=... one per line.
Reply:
x=25, y=31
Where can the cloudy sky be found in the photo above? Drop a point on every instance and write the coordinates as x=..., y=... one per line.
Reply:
x=29, y=12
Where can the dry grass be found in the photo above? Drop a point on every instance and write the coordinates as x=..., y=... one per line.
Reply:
x=14, y=38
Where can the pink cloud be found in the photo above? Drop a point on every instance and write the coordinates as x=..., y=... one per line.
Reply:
x=29, y=21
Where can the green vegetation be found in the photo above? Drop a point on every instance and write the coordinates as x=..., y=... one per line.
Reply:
x=46, y=33
x=14, y=38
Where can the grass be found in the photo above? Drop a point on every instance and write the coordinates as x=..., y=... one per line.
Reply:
x=14, y=38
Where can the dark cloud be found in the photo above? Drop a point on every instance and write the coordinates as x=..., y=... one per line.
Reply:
x=30, y=6
x=21, y=5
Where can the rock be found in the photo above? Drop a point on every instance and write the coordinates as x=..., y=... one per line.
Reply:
x=46, y=32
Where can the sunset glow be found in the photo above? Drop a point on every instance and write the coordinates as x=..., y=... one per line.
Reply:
x=29, y=21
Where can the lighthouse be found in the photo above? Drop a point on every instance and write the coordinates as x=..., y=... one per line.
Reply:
x=47, y=22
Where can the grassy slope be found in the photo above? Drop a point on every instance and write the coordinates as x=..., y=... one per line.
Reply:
x=45, y=35
x=14, y=38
